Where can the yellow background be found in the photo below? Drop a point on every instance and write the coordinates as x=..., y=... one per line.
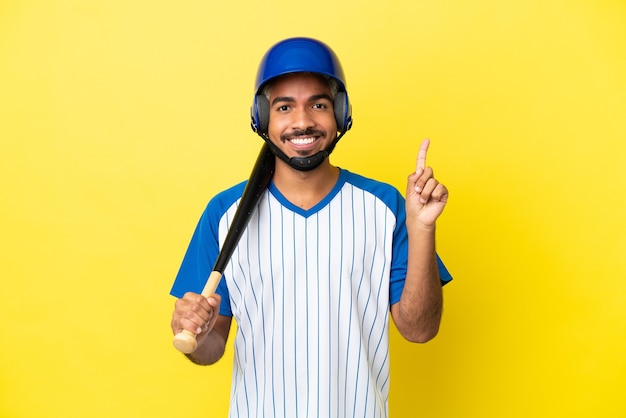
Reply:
x=119, y=119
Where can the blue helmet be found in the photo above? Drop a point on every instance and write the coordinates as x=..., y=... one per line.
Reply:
x=297, y=55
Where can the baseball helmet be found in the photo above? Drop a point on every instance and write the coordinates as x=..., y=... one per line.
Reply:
x=296, y=55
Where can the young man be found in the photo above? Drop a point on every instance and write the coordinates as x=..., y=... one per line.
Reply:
x=326, y=257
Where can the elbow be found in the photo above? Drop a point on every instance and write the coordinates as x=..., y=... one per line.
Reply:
x=421, y=336
x=201, y=361
x=417, y=328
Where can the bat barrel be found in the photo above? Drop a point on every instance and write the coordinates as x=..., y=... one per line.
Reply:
x=259, y=179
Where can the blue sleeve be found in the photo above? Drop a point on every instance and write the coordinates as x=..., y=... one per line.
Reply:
x=196, y=265
x=203, y=250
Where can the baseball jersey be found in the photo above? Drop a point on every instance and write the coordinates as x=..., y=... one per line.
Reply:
x=310, y=291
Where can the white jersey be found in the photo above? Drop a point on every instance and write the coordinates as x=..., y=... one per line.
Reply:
x=311, y=294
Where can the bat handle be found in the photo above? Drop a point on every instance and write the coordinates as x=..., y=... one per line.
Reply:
x=185, y=341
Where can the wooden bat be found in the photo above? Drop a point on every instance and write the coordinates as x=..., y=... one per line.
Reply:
x=185, y=341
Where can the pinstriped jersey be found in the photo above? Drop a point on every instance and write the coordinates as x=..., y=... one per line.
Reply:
x=311, y=292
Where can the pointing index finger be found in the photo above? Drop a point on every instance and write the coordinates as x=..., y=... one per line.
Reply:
x=421, y=156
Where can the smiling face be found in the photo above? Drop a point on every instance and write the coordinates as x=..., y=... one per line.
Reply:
x=301, y=117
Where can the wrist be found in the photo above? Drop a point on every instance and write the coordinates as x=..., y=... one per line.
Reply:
x=420, y=228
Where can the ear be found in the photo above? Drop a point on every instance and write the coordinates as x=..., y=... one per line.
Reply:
x=341, y=111
x=262, y=113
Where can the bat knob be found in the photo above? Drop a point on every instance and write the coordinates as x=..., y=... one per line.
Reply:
x=185, y=342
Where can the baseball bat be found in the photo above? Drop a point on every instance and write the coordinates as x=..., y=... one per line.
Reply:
x=185, y=341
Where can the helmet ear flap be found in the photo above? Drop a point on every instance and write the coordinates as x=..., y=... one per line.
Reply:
x=342, y=111
x=261, y=114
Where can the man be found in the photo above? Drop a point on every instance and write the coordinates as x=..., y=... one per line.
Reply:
x=325, y=258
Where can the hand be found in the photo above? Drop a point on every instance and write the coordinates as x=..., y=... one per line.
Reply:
x=425, y=196
x=196, y=314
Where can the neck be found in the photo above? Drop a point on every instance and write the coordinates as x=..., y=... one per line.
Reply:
x=305, y=189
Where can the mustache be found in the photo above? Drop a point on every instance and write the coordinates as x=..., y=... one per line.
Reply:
x=306, y=132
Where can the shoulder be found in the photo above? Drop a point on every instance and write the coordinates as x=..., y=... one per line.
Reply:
x=221, y=202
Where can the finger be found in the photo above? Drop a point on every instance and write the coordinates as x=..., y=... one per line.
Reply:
x=214, y=304
x=190, y=322
x=440, y=194
x=421, y=155
x=209, y=321
x=192, y=314
x=424, y=176
x=428, y=189
x=214, y=300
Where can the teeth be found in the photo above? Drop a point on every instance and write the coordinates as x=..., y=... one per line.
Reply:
x=302, y=141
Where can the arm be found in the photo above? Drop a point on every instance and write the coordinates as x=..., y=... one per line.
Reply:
x=418, y=313
x=200, y=315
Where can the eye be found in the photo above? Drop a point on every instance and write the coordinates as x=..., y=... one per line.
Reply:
x=282, y=108
x=320, y=106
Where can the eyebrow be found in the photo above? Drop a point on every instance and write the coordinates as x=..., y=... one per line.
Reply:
x=313, y=98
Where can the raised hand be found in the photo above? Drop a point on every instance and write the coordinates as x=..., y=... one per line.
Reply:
x=425, y=196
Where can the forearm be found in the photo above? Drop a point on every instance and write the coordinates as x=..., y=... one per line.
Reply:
x=418, y=313
x=209, y=351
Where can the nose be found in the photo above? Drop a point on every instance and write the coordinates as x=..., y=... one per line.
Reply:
x=301, y=119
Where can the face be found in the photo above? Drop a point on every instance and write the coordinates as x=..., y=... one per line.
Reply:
x=302, y=120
